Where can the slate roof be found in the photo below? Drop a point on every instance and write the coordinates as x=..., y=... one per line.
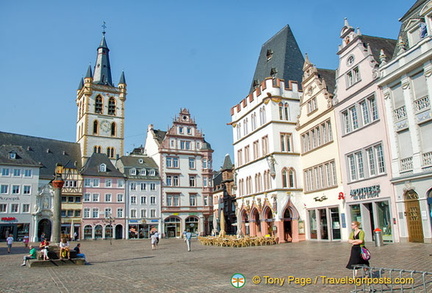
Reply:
x=286, y=58
x=91, y=168
x=22, y=156
x=330, y=78
x=377, y=43
x=47, y=152
x=413, y=8
x=129, y=162
x=227, y=165
x=160, y=135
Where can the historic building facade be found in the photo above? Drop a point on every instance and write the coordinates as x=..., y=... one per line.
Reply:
x=184, y=159
x=143, y=194
x=406, y=83
x=104, y=200
x=224, y=199
x=322, y=183
x=362, y=135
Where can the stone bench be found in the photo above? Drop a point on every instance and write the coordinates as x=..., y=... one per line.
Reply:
x=55, y=262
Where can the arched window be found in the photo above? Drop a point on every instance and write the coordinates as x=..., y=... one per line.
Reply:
x=97, y=149
x=291, y=178
x=98, y=105
x=284, y=178
x=280, y=111
x=110, y=152
x=111, y=106
x=113, y=129
x=286, y=111
x=95, y=127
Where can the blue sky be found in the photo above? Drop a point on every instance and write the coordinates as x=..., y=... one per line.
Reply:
x=195, y=54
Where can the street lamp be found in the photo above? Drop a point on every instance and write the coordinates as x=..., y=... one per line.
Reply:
x=109, y=219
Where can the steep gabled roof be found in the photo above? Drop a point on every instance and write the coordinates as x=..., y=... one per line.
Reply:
x=227, y=164
x=377, y=44
x=159, y=135
x=47, y=152
x=92, y=167
x=280, y=57
x=413, y=8
x=330, y=78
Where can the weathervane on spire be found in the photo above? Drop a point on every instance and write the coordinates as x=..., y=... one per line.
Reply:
x=104, y=27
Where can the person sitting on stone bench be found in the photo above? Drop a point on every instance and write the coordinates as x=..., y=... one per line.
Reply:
x=32, y=255
x=64, y=249
x=44, y=248
x=78, y=252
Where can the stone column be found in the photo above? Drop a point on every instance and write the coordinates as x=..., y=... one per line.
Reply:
x=57, y=185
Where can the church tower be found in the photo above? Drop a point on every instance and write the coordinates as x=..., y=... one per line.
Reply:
x=100, y=117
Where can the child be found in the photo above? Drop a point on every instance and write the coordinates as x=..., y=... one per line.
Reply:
x=10, y=240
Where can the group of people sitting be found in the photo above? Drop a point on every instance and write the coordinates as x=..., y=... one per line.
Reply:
x=64, y=252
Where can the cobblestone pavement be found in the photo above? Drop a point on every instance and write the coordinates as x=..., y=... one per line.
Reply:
x=131, y=266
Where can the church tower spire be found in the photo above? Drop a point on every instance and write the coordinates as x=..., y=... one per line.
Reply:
x=101, y=108
x=102, y=69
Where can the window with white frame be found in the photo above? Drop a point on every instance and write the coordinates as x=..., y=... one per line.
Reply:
x=14, y=208
x=152, y=213
x=17, y=172
x=108, y=212
x=191, y=163
x=95, y=197
x=152, y=186
x=353, y=76
x=192, y=200
x=133, y=186
x=4, y=189
x=108, y=197
x=108, y=183
x=238, y=131
x=120, y=197
x=15, y=189
x=286, y=142
x=96, y=182
x=86, y=196
x=119, y=213
x=3, y=208
x=143, y=186
x=87, y=182
x=28, y=173
x=192, y=180
x=5, y=172
x=153, y=200
x=120, y=183
x=95, y=213
x=264, y=144
x=133, y=199
x=245, y=126
x=312, y=105
x=133, y=213
x=319, y=177
x=366, y=163
x=143, y=213
x=86, y=213
x=26, y=208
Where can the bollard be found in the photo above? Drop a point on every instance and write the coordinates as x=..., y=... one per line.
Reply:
x=378, y=237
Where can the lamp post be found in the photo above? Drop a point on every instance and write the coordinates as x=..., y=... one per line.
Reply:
x=57, y=185
x=110, y=220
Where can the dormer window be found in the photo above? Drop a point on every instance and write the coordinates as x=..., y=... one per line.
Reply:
x=152, y=172
x=269, y=54
x=132, y=171
x=102, y=168
x=12, y=155
x=273, y=72
x=143, y=172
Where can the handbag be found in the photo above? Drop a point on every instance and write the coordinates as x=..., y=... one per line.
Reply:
x=365, y=253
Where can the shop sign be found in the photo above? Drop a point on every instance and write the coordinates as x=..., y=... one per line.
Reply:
x=365, y=192
x=12, y=198
x=154, y=221
x=133, y=221
x=8, y=219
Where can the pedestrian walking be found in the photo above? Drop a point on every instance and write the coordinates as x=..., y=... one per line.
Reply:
x=188, y=237
x=26, y=240
x=356, y=238
x=153, y=239
x=157, y=237
x=9, y=241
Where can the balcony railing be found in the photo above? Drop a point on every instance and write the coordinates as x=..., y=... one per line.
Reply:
x=400, y=113
x=406, y=164
x=422, y=104
x=427, y=159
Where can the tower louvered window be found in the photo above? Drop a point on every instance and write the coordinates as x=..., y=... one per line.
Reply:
x=98, y=105
x=111, y=106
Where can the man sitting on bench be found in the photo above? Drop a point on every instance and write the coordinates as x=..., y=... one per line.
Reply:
x=32, y=255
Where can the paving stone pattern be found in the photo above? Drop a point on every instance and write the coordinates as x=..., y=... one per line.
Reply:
x=132, y=266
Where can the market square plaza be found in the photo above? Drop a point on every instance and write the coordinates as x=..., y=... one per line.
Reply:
x=132, y=266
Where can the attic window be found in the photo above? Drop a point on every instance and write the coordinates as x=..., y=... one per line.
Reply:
x=132, y=171
x=140, y=161
x=269, y=54
x=152, y=172
x=102, y=168
x=273, y=72
x=143, y=172
x=12, y=155
x=255, y=83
